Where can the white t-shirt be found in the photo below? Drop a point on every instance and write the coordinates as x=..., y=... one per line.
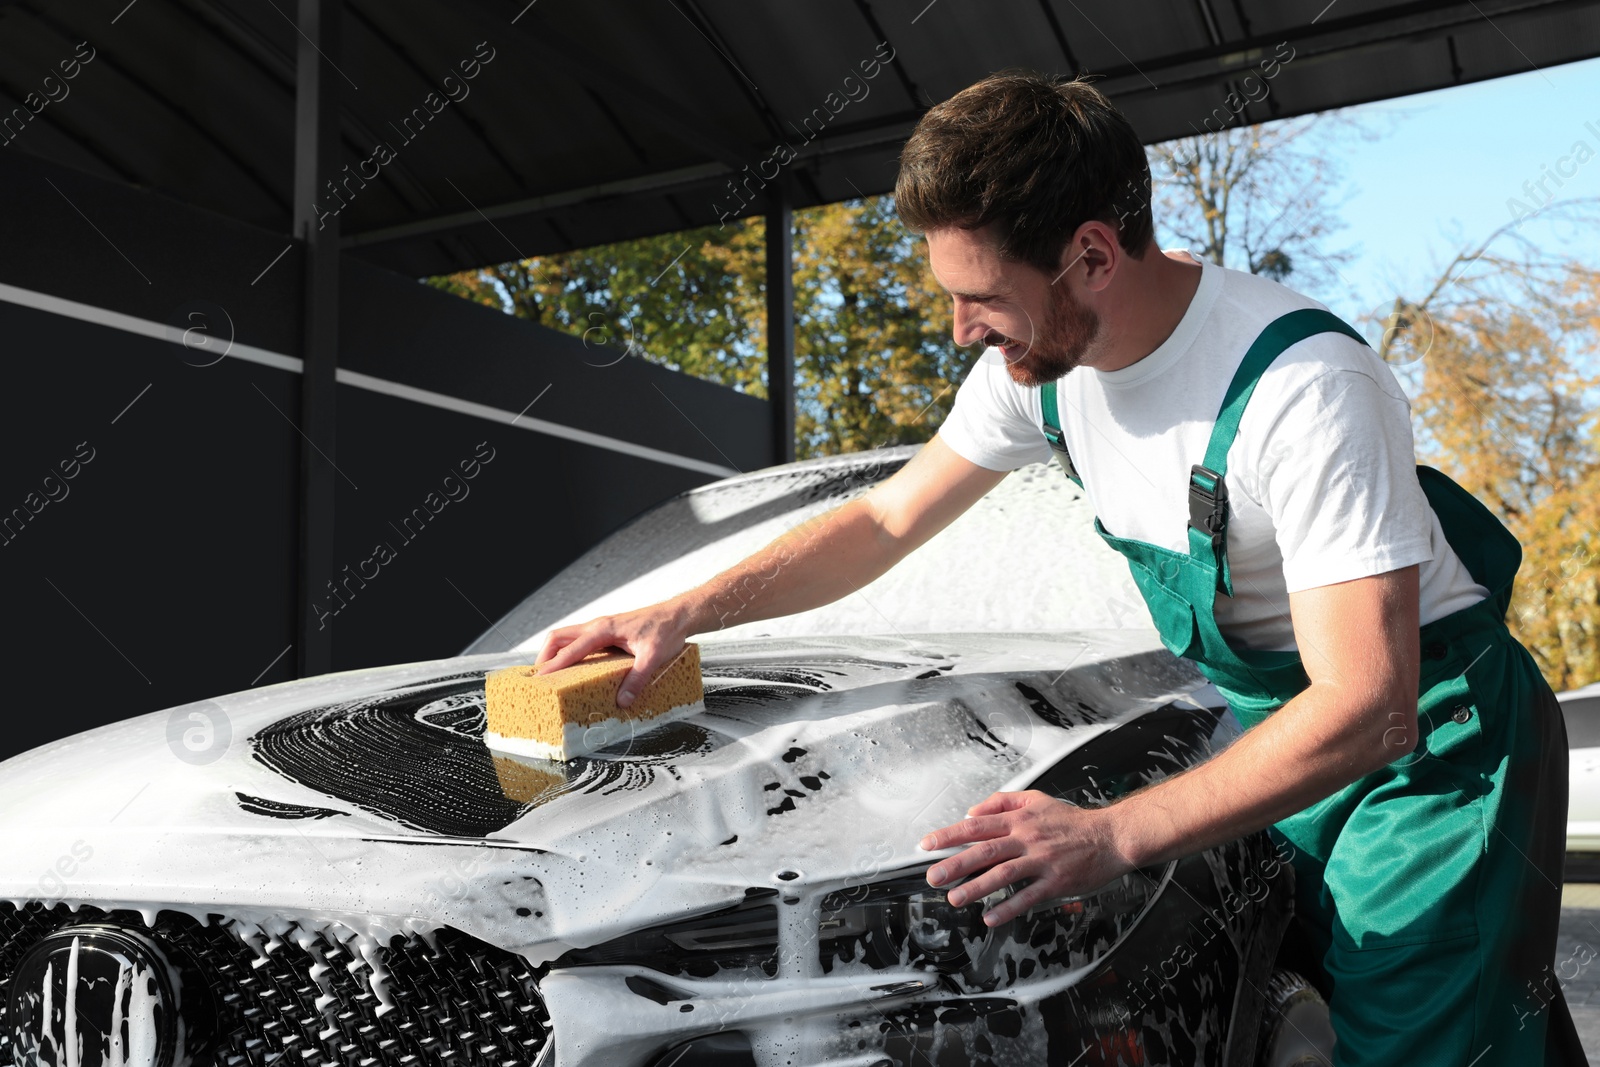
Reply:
x=1321, y=477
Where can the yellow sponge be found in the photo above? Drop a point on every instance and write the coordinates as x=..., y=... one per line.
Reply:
x=574, y=710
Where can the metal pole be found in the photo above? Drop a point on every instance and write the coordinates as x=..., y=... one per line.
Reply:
x=316, y=153
x=780, y=322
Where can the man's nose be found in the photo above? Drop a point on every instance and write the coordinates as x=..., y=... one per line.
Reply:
x=969, y=324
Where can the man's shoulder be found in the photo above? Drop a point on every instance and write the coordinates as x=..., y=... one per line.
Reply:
x=988, y=387
x=989, y=376
x=1317, y=392
x=1252, y=303
x=992, y=421
x=1253, y=296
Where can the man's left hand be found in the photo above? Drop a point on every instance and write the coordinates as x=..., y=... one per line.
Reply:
x=1060, y=849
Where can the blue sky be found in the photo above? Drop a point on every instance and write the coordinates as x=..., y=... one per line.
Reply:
x=1440, y=174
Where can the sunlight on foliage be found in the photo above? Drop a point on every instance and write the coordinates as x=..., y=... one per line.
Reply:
x=874, y=362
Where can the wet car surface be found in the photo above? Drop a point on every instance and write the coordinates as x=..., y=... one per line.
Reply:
x=355, y=877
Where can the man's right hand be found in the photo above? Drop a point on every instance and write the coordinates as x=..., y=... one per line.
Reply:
x=653, y=634
x=815, y=563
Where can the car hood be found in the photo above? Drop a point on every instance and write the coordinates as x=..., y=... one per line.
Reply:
x=368, y=799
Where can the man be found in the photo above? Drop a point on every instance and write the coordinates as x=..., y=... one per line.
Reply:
x=1253, y=459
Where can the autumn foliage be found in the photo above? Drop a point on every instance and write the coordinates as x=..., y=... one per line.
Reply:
x=1508, y=408
x=874, y=364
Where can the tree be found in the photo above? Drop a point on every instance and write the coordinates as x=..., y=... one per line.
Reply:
x=1505, y=338
x=873, y=349
x=873, y=361
x=684, y=300
x=872, y=356
x=1255, y=198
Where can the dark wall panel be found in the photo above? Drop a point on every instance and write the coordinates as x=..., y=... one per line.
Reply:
x=394, y=328
x=75, y=236
x=428, y=557
x=163, y=572
x=157, y=574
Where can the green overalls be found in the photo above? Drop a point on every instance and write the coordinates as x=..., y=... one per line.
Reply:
x=1428, y=889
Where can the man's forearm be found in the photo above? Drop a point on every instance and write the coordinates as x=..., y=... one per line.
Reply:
x=1303, y=752
x=819, y=561
x=1358, y=641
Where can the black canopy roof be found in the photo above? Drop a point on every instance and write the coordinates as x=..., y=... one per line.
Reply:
x=558, y=124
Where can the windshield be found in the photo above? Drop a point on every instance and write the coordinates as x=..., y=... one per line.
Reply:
x=1024, y=558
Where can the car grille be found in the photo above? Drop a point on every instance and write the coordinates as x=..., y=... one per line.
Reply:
x=466, y=1004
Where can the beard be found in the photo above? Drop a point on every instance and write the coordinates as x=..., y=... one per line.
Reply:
x=1069, y=329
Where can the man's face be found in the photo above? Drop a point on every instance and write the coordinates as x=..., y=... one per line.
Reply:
x=1032, y=318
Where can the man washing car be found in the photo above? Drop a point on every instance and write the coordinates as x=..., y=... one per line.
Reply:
x=1253, y=460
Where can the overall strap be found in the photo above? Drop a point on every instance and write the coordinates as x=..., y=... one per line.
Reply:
x=1208, y=490
x=1053, y=433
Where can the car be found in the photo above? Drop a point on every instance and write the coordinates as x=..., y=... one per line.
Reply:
x=339, y=871
x=1580, y=708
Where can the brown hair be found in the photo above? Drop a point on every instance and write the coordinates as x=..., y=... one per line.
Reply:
x=1039, y=155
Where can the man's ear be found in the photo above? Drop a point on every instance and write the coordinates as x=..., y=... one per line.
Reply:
x=1093, y=250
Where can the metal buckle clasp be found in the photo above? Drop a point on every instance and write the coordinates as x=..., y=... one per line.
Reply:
x=1208, y=502
x=1057, y=439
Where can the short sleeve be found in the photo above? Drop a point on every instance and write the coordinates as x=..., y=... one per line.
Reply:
x=1338, y=478
x=989, y=423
